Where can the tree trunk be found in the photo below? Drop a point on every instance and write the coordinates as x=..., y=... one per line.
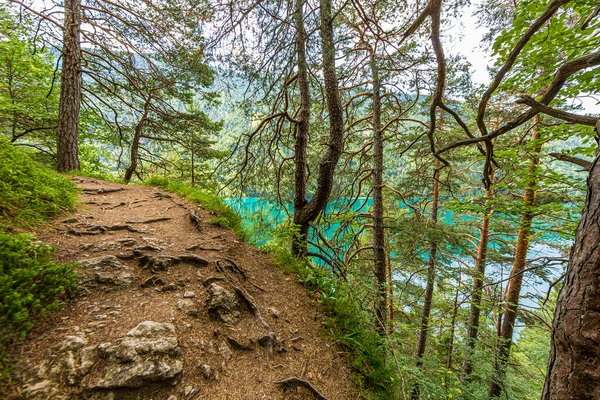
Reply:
x=335, y=146
x=299, y=245
x=424, y=330
x=480, y=263
x=516, y=275
x=379, y=267
x=135, y=143
x=390, y=295
x=67, y=131
x=573, y=368
x=449, y=359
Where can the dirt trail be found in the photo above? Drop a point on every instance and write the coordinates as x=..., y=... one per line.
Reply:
x=139, y=240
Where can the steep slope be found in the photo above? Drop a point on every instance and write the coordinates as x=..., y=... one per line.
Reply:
x=170, y=310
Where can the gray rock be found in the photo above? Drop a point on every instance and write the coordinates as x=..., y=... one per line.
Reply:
x=127, y=242
x=42, y=390
x=222, y=304
x=189, y=294
x=188, y=392
x=273, y=311
x=183, y=304
x=225, y=351
x=147, y=353
x=101, y=272
x=207, y=371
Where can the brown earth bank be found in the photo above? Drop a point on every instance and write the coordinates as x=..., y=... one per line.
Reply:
x=168, y=309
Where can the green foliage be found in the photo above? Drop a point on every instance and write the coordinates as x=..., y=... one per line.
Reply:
x=29, y=284
x=225, y=216
x=28, y=96
x=30, y=192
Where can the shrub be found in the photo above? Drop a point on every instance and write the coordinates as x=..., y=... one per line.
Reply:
x=29, y=284
x=29, y=191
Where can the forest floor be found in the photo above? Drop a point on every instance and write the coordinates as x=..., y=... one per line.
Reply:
x=207, y=310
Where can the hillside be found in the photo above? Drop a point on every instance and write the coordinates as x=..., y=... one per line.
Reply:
x=170, y=309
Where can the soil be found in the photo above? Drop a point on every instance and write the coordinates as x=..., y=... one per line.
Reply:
x=104, y=315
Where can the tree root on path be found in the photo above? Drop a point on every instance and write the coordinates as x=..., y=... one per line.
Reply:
x=267, y=341
x=98, y=229
x=293, y=382
x=150, y=221
x=161, y=262
x=235, y=268
x=196, y=221
x=101, y=190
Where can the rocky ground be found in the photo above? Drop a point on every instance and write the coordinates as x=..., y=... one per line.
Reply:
x=172, y=307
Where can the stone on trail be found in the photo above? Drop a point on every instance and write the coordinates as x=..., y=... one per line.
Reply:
x=223, y=304
x=101, y=272
x=147, y=353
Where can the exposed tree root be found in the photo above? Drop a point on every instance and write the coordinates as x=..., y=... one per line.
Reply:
x=267, y=341
x=201, y=247
x=293, y=382
x=101, y=190
x=162, y=262
x=114, y=206
x=99, y=229
x=150, y=221
x=196, y=221
x=232, y=267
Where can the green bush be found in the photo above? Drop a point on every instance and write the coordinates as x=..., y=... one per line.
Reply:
x=29, y=285
x=30, y=192
x=224, y=215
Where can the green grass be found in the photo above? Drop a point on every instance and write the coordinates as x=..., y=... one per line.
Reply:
x=30, y=193
x=224, y=215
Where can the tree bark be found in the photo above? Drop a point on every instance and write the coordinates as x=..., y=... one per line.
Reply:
x=299, y=245
x=573, y=368
x=135, y=143
x=480, y=263
x=335, y=147
x=516, y=275
x=379, y=267
x=424, y=330
x=67, y=131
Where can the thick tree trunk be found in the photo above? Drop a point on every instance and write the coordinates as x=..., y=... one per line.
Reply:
x=573, y=368
x=516, y=276
x=424, y=330
x=335, y=146
x=135, y=143
x=299, y=245
x=379, y=267
x=67, y=131
x=480, y=263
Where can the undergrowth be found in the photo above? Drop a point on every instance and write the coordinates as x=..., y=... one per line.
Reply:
x=30, y=193
x=347, y=321
x=224, y=215
x=30, y=281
